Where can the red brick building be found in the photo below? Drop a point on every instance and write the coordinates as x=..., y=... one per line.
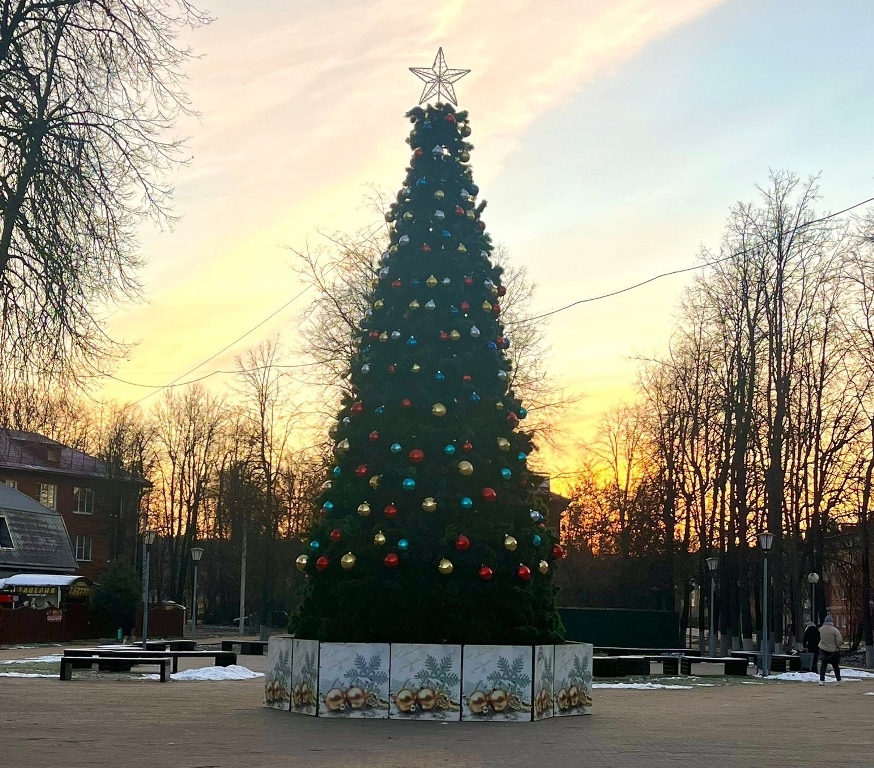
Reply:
x=99, y=504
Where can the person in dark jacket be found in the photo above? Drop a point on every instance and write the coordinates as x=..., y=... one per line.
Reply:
x=811, y=642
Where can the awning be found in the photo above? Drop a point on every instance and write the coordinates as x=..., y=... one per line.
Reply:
x=36, y=584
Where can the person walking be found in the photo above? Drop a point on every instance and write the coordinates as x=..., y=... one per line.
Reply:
x=810, y=641
x=830, y=642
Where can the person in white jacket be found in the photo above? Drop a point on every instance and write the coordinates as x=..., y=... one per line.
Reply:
x=830, y=642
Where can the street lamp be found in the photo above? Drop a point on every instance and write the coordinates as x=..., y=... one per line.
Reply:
x=712, y=566
x=196, y=554
x=149, y=537
x=813, y=580
x=766, y=541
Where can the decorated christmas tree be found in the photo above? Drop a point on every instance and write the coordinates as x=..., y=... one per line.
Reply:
x=429, y=527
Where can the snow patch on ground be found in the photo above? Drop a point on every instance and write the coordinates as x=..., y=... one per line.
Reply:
x=52, y=659
x=23, y=674
x=652, y=686
x=813, y=677
x=233, y=672
x=870, y=693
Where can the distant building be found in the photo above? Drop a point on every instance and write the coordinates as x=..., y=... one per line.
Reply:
x=98, y=504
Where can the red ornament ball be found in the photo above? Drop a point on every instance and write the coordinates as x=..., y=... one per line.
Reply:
x=416, y=456
x=336, y=535
x=361, y=470
x=459, y=211
x=465, y=307
x=502, y=291
x=444, y=336
x=485, y=573
x=374, y=334
x=392, y=369
x=524, y=572
x=357, y=408
x=406, y=402
x=396, y=284
x=489, y=494
x=426, y=248
x=467, y=378
x=390, y=510
x=496, y=309
x=462, y=543
x=391, y=560
x=481, y=224
x=322, y=563
x=374, y=436
x=468, y=280
x=419, y=152
x=558, y=551
x=512, y=419
x=450, y=118
x=466, y=446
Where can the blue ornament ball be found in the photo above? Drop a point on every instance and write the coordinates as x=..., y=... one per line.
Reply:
x=536, y=516
x=337, y=471
x=379, y=410
x=522, y=413
x=409, y=484
x=314, y=545
x=449, y=450
x=536, y=540
x=446, y=233
x=329, y=505
x=474, y=398
x=423, y=182
x=493, y=346
x=466, y=503
x=403, y=544
x=415, y=282
x=439, y=376
x=411, y=342
x=395, y=448
x=506, y=473
x=521, y=456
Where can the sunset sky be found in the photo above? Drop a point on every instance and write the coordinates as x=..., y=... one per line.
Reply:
x=612, y=136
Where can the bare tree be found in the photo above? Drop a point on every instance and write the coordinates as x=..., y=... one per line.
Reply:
x=91, y=92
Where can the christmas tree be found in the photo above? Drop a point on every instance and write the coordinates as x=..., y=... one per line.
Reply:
x=429, y=527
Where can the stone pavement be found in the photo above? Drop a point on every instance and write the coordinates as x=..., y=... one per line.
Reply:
x=129, y=724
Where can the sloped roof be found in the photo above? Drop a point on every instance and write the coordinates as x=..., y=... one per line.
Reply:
x=26, y=451
x=40, y=538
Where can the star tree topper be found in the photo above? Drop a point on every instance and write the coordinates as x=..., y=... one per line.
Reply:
x=438, y=79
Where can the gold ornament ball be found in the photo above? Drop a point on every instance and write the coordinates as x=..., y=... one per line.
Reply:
x=503, y=444
x=416, y=368
x=427, y=698
x=429, y=505
x=332, y=430
x=343, y=446
x=454, y=335
x=301, y=562
x=465, y=467
x=379, y=538
x=405, y=700
x=445, y=567
x=510, y=543
x=431, y=281
x=414, y=304
x=543, y=567
x=356, y=697
x=378, y=304
x=438, y=409
x=478, y=702
x=499, y=406
x=364, y=509
x=335, y=699
x=374, y=283
x=348, y=561
x=439, y=194
x=464, y=156
x=374, y=481
x=486, y=306
x=383, y=337
x=499, y=700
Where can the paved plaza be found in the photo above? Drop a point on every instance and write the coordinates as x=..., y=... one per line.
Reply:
x=133, y=723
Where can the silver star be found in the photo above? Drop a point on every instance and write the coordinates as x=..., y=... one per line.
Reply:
x=438, y=79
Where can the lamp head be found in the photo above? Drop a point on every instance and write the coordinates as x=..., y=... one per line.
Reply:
x=149, y=537
x=196, y=554
x=712, y=564
x=766, y=541
x=812, y=578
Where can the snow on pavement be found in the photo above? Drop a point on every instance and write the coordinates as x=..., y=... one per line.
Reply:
x=23, y=674
x=233, y=672
x=653, y=686
x=52, y=659
x=812, y=677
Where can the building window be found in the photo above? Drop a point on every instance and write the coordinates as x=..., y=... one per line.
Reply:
x=83, y=501
x=11, y=483
x=83, y=548
x=5, y=536
x=47, y=495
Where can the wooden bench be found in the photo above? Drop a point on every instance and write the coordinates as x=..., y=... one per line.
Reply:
x=608, y=650
x=247, y=647
x=116, y=659
x=777, y=662
x=732, y=666
x=68, y=662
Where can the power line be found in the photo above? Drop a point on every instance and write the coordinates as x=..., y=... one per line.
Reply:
x=589, y=300
x=690, y=269
x=222, y=350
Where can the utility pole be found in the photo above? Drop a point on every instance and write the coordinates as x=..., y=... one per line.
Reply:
x=243, y=581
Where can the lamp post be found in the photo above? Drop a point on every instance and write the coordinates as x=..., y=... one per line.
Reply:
x=149, y=537
x=196, y=554
x=813, y=580
x=766, y=541
x=712, y=566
